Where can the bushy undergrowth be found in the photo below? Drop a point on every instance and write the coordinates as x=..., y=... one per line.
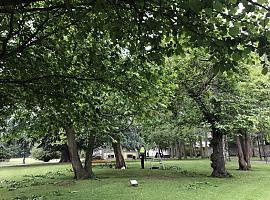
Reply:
x=40, y=154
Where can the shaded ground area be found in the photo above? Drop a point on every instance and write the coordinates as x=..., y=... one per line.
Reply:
x=181, y=180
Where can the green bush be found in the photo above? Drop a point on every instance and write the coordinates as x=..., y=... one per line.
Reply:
x=4, y=153
x=40, y=154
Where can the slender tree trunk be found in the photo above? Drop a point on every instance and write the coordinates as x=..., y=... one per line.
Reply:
x=241, y=160
x=225, y=148
x=178, y=150
x=79, y=171
x=24, y=156
x=206, y=146
x=252, y=147
x=194, y=149
x=259, y=146
x=184, y=150
x=176, y=146
x=119, y=159
x=217, y=157
x=191, y=149
x=89, y=156
x=263, y=146
x=65, y=157
x=201, y=147
x=171, y=151
x=24, y=151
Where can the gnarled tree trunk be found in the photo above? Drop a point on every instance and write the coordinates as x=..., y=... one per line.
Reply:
x=79, y=171
x=89, y=156
x=119, y=159
x=241, y=161
x=243, y=151
x=247, y=149
x=217, y=157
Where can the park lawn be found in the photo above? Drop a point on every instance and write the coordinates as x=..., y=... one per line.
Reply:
x=187, y=180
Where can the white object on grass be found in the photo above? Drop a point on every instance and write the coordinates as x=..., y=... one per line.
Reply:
x=133, y=183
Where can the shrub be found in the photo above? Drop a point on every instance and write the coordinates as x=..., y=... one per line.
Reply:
x=4, y=153
x=40, y=154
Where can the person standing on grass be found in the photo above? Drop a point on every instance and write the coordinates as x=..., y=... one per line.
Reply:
x=142, y=156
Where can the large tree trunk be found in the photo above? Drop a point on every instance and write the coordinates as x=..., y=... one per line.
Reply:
x=241, y=160
x=119, y=159
x=217, y=157
x=89, y=156
x=247, y=149
x=79, y=171
x=65, y=157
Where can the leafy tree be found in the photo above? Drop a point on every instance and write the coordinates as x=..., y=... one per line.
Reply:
x=54, y=54
x=4, y=153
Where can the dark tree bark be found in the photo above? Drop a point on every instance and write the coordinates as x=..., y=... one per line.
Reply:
x=184, y=150
x=178, y=150
x=119, y=159
x=89, y=156
x=259, y=146
x=191, y=148
x=247, y=149
x=252, y=147
x=79, y=171
x=217, y=157
x=241, y=160
x=243, y=146
x=65, y=157
x=194, y=149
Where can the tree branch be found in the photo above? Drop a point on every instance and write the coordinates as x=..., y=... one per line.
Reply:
x=16, y=2
x=52, y=76
x=259, y=5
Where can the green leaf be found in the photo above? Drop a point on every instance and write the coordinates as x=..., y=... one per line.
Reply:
x=236, y=56
x=265, y=70
x=233, y=1
x=196, y=5
x=218, y=6
x=234, y=31
x=246, y=51
x=208, y=12
x=262, y=1
x=267, y=34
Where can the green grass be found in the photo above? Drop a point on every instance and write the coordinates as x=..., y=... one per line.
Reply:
x=28, y=161
x=189, y=181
